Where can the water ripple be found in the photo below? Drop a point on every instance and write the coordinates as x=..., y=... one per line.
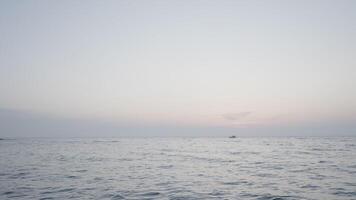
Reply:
x=178, y=168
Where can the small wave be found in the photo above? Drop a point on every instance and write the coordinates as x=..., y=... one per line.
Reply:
x=244, y=153
x=352, y=166
x=19, y=175
x=183, y=197
x=106, y=141
x=81, y=170
x=266, y=175
x=72, y=177
x=319, y=149
x=125, y=159
x=165, y=166
x=277, y=197
x=344, y=193
x=58, y=191
x=151, y=194
x=66, y=190
x=235, y=183
x=318, y=177
x=216, y=193
x=112, y=196
x=8, y=192
x=312, y=187
x=350, y=184
x=95, y=159
x=167, y=150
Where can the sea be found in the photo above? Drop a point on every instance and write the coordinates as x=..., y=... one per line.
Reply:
x=275, y=168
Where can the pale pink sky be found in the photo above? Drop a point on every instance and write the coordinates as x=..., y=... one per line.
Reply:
x=186, y=63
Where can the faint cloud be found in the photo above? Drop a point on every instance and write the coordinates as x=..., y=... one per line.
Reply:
x=236, y=116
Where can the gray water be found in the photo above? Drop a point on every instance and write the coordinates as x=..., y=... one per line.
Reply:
x=178, y=168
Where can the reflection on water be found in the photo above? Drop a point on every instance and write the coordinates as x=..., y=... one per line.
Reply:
x=177, y=168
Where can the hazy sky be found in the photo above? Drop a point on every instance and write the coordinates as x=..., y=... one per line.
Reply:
x=177, y=67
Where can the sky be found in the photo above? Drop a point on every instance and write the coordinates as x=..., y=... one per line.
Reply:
x=177, y=68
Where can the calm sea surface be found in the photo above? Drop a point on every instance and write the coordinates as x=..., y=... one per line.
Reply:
x=178, y=168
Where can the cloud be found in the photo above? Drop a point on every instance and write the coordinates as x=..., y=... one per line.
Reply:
x=236, y=116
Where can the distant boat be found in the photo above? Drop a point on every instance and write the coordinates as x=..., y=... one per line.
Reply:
x=232, y=136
